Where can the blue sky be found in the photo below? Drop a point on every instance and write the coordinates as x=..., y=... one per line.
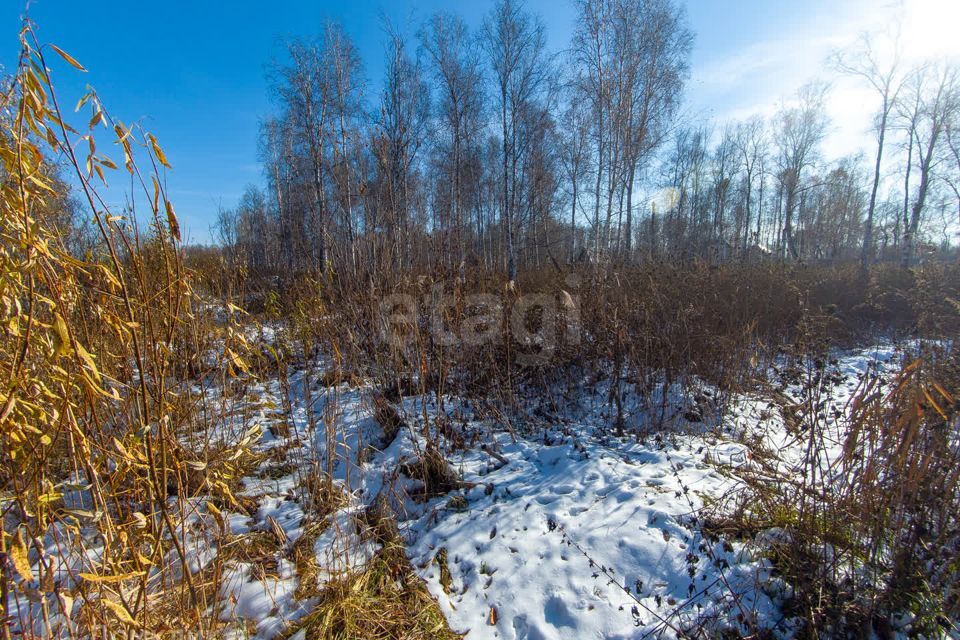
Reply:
x=194, y=72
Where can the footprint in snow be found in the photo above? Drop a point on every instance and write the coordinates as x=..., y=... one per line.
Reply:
x=557, y=613
x=520, y=627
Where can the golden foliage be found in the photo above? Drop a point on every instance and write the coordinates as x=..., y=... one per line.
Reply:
x=93, y=399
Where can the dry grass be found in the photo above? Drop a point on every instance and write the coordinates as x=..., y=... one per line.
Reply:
x=673, y=322
x=383, y=600
x=874, y=533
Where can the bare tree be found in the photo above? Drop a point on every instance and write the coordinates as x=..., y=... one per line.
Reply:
x=592, y=78
x=434, y=179
x=801, y=129
x=402, y=123
x=864, y=62
x=345, y=71
x=660, y=55
x=751, y=145
x=573, y=156
x=934, y=102
x=302, y=86
x=722, y=178
x=631, y=59
x=275, y=153
x=457, y=69
x=952, y=176
x=515, y=45
x=685, y=170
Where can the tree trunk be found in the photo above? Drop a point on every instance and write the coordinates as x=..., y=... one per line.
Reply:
x=629, y=230
x=866, y=255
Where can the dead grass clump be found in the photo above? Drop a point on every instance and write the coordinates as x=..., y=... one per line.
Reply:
x=335, y=376
x=304, y=557
x=674, y=322
x=388, y=418
x=259, y=549
x=395, y=390
x=433, y=470
x=384, y=600
x=323, y=495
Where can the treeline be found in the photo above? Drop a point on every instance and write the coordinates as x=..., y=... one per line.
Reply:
x=485, y=149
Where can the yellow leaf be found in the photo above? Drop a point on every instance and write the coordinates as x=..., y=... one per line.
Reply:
x=217, y=515
x=121, y=132
x=83, y=100
x=92, y=577
x=225, y=490
x=20, y=558
x=933, y=402
x=121, y=612
x=237, y=361
x=943, y=392
x=41, y=183
x=88, y=361
x=122, y=449
x=156, y=195
x=158, y=151
x=47, y=498
x=66, y=56
x=172, y=221
x=66, y=604
x=61, y=339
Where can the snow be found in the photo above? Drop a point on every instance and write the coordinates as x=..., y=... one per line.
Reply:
x=580, y=540
x=567, y=532
x=575, y=535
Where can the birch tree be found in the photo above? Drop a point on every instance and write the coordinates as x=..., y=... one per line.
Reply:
x=864, y=62
x=515, y=45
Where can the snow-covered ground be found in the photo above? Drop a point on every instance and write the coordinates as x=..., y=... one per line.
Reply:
x=564, y=532
x=555, y=531
x=586, y=539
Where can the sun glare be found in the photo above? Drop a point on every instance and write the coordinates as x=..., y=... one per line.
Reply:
x=930, y=29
